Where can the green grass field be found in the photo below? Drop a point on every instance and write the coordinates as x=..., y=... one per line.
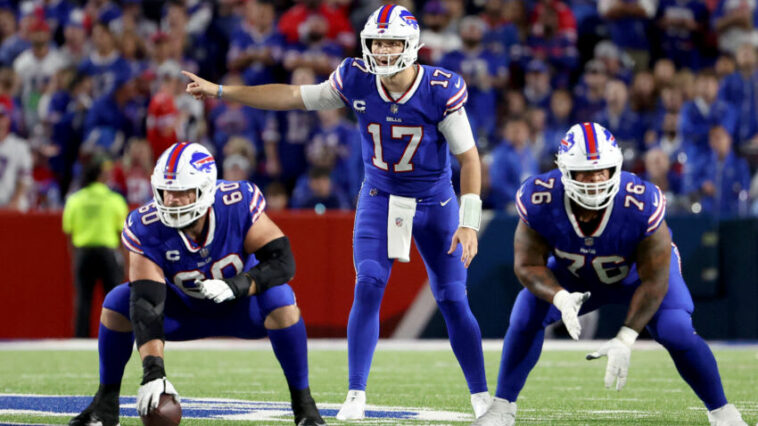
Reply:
x=563, y=389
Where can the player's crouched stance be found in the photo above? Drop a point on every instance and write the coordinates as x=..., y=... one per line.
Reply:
x=192, y=275
x=592, y=235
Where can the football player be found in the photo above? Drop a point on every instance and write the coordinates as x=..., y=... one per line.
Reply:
x=192, y=274
x=409, y=116
x=592, y=235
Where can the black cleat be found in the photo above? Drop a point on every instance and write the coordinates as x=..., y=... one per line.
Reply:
x=103, y=410
x=304, y=407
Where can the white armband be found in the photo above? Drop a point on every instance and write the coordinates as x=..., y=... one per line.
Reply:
x=457, y=131
x=470, y=214
x=320, y=96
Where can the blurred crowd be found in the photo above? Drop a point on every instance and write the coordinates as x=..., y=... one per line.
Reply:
x=676, y=82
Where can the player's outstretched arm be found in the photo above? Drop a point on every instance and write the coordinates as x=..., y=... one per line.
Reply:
x=470, y=215
x=277, y=97
x=146, y=302
x=530, y=265
x=653, y=256
x=276, y=264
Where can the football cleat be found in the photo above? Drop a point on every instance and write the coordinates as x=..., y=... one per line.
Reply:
x=500, y=413
x=102, y=411
x=726, y=416
x=304, y=407
x=354, y=407
x=480, y=402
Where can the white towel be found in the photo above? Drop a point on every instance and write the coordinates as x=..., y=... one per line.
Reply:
x=400, y=227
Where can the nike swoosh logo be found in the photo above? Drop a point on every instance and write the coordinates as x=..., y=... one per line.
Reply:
x=458, y=84
x=444, y=203
x=655, y=200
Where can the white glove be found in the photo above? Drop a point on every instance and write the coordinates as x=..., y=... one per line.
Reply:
x=619, y=351
x=149, y=394
x=569, y=305
x=218, y=290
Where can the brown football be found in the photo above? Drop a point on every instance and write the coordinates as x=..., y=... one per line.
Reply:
x=168, y=413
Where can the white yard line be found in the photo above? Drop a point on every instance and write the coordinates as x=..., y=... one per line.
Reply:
x=339, y=345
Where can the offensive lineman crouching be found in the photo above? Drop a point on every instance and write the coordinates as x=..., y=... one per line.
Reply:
x=192, y=275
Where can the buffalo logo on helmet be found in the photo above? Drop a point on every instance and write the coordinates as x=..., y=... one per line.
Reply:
x=566, y=143
x=409, y=19
x=202, y=162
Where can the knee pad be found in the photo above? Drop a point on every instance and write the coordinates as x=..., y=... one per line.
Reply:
x=673, y=329
x=449, y=292
x=275, y=297
x=118, y=300
x=372, y=273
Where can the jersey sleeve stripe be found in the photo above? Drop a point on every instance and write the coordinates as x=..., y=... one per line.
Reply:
x=659, y=220
x=455, y=97
x=659, y=210
x=457, y=105
x=256, y=198
x=337, y=89
x=260, y=210
x=129, y=246
x=520, y=208
x=336, y=78
x=131, y=235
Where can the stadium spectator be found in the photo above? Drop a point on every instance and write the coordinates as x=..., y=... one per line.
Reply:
x=484, y=71
x=108, y=124
x=537, y=88
x=105, y=64
x=643, y=101
x=16, y=158
x=623, y=123
x=589, y=95
x=316, y=190
x=725, y=65
x=292, y=24
x=163, y=117
x=14, y=41
x=336, y=145
x=501, y=35
x=131, y=173
x=133, y=20
x=313, y=50
x=734, y=23
x=701, y=114
x=76, y=46
x=552, y=38
x=724, y=180
x=35, y=67
x=92, y=219
x=559, y=119
x=228, y=119
x=512, y=162
x=659, y=172
x=277, y=198
x=236, y=168
x=256, y=47
x=664, y=72
x=683, y=26
x=618, y=64
x=629, y=22
x=740, y=90
x=436, y=38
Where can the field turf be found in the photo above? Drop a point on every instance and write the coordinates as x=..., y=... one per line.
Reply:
x=225, y=383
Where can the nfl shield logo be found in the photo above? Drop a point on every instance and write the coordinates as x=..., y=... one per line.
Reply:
x=393, y=108
x=398, y=222
x=204, y=252
x=589, y=241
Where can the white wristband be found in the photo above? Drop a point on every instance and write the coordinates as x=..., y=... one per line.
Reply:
x=627, y=336
x=470, y=214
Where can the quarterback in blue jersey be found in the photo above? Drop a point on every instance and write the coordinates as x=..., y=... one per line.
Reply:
x=409, y=116
x=205, y=261
x=592, y=235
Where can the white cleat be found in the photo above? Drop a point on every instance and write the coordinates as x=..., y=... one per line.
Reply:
x=481, y=403
x=726, y=416
x=354, y=407
x=500, y=413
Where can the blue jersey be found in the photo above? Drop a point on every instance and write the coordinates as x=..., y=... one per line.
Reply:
x=403, y=151
x=606, y=256
x=222, y=255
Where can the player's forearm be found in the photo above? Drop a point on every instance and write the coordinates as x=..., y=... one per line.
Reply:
x=276, y=97
x=539, y=280
x=471, y=172
x=645, y=303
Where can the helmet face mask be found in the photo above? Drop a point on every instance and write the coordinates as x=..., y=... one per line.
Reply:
x=390, y=22
x=589, y=147
x=184, y=167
